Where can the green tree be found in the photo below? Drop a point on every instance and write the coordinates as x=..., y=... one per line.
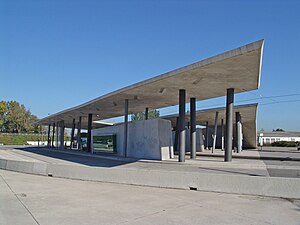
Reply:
x=152, y=114
x=3, y=112
x=14, y=117
x=279, y=129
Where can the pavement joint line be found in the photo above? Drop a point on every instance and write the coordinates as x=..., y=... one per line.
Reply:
x=20, y=200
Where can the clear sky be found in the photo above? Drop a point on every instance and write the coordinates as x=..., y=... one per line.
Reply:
x=58, y=54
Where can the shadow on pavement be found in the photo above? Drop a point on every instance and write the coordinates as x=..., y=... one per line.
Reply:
x=88, y=160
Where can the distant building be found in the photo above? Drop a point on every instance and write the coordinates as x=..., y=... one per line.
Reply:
x=270, y=137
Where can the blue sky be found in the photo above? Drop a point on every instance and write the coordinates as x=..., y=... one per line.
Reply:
x=58, y=54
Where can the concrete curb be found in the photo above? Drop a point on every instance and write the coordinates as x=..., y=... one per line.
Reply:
x=237, y=184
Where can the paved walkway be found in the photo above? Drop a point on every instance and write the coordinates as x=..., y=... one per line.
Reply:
x=31, y=199
x=202, y=164
x=244, y=176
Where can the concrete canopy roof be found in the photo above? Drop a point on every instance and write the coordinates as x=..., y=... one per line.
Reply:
x=239, y=69
x=84, y=124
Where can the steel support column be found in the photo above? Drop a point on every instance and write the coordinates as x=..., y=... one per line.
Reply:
x=181, y=153
x=125, y=127
x=53, y=133
x=238, y=130
x=89, y=134
x=215, y=133
x=62, y=135
x=79, y=144
x=206, y=135
x=48, y=140
x=193, y=128
x=57, y=130
x=146, y=113
x=72, y=134
x=39, y=128
x=229, y=125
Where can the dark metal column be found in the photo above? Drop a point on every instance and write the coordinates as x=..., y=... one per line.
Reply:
x=181, y=153
x=89, y=134
x=206, y=135
x=215, y=132
x=48, y=140
x=39, y=128
x=53, y=133
x=125, y=127
x=146, y=113
x=62, y=135
x=238, y=130
x=72, y=134
x=193, y=128
x=229, y=124
x=57, y=130
x=222, y=134
x=79, y=134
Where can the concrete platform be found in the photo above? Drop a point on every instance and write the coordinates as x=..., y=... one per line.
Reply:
x=30, y=199
x=242, y=176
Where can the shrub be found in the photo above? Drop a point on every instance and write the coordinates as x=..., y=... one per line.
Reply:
x=285, y=144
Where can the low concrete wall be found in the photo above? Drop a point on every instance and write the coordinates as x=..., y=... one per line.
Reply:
x=24, y=166
x=263, y=186
x=147, y=139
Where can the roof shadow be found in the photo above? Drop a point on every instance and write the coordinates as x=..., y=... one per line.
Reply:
x=71, y=156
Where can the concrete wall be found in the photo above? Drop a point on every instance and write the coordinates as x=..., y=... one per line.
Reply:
x=199, y=140
x=147, y=139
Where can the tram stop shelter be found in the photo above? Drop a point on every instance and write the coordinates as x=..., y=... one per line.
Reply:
x=211, y=134
x=225, y=74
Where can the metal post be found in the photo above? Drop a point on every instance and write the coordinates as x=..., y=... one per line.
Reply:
x=229, y=125
x=89, y=134
x=215, y=133
x=79, y=144
x=72, y=134
x=206, y=135
x=62, y=135
x=181, y=153
x=125, y=127
x=48, y=140
x=193, y=128
x=53, y=133
x=222, y=131
x=146, y=113
x=57, y=129
x=39, y=128
x=238, y=129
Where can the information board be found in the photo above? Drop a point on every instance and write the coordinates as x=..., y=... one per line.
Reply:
x=105, y=143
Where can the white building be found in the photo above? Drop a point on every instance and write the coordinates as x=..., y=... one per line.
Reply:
x=270, y=137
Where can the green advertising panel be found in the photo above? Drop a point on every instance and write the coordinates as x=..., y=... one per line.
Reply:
x=105, y=143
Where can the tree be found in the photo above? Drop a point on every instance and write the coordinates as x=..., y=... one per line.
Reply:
x=152, y=114
x=16, y=118
x=279, y=129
